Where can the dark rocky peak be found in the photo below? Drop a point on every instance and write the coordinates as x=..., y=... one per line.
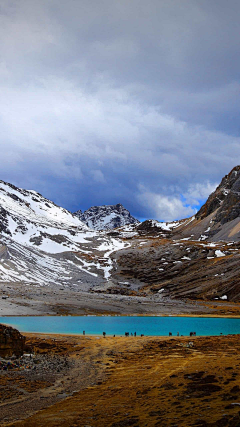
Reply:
x=106, y=217
x=225, y=198
x=232, y=180
x=219, y=218
x=120, y=208
x=78, y=213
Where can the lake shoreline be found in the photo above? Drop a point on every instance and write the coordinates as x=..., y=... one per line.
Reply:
x=190, y=315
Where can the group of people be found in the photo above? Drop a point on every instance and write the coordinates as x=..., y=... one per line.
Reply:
x=192, y=334
x=127, y=334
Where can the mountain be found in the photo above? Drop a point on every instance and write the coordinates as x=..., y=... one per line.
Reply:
x=223, y=205
x=28, y=217
x=219, y=218
x=44, y=244
x=46, y=250
x=106, y=217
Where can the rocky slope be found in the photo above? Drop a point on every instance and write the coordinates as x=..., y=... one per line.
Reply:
x=106, y=217
x=181, y=269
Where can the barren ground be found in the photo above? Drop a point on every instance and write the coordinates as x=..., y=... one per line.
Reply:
x=130, y=381
x=29, y=301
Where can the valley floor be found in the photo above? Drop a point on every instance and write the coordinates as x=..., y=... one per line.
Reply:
x=30, y=301
x=121, y=382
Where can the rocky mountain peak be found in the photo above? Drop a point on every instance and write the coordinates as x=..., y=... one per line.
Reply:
x=106, y=217
x=225, y=198
x=231, y=181
x=219, y=218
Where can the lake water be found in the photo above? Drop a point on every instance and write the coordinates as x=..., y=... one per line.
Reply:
x=118, y=325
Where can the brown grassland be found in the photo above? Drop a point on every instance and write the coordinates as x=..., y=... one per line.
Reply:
x=128, y=381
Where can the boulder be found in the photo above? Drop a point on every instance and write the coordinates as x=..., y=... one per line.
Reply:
x=11, y=341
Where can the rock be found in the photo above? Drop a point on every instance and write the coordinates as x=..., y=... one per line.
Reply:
x=11, y=342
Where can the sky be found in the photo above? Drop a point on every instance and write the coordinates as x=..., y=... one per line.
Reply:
x=126, y=101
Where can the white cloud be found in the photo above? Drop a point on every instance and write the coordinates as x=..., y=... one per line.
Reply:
x=198, y=192
x=164, y=208
x=117, y=93
x=168, y=208
x=59, y=130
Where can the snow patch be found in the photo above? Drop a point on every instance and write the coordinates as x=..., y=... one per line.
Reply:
x=219, y=253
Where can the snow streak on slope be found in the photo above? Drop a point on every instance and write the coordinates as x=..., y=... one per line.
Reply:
x=26, y=265
x=43, y=243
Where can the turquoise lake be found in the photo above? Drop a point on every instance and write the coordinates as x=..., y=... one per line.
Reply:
x=118, y=325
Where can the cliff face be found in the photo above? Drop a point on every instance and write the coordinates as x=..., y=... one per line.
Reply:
x=11, y=342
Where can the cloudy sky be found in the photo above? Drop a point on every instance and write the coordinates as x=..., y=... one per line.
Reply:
x=124, y=101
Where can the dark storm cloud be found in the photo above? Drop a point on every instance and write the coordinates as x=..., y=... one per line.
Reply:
x=130, y=101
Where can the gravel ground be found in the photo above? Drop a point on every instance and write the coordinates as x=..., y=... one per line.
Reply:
x=54, y=300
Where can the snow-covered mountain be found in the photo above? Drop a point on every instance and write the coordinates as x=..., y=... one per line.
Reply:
x=106, y=217
x=29, y=218
x=42, y=243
